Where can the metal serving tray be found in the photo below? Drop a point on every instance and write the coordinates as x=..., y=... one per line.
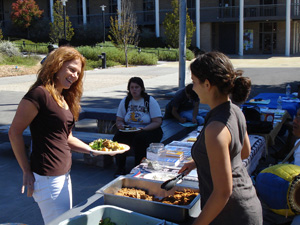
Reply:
x=174, y=213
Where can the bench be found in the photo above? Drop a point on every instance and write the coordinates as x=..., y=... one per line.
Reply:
x=172, y=130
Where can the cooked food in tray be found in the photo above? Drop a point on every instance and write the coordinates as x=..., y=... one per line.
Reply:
x=106, y=145
x=184, y=197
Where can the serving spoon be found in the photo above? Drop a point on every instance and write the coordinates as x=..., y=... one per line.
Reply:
x=169, y=184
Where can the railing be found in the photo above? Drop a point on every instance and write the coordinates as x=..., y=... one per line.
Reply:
x=207, y=14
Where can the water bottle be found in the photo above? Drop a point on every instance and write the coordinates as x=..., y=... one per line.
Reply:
x=288, y=90
x=279, y=101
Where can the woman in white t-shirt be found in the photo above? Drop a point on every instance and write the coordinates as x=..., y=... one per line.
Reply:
x=141, y=111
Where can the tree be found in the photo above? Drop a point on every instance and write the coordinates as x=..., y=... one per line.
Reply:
x=171, y=26
x=124, y=32
x=57, y=27
x=24, y=13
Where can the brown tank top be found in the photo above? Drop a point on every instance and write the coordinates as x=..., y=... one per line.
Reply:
x=51, y=154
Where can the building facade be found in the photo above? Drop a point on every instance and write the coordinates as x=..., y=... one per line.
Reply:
x=231, y=26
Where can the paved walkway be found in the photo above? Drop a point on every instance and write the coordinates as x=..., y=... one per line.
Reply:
x=105, y=88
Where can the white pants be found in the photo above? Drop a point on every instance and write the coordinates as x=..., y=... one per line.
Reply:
x=53, y=195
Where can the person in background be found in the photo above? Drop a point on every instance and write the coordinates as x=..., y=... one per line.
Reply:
x=63, y=42
x=51, y=48
x=142, y=112
x=185, y=107
x=50, y=108
x=227, y=193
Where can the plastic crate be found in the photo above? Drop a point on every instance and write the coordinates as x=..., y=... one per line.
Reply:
x=117, y=215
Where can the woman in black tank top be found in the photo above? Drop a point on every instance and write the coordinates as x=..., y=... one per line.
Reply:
x=227, y=193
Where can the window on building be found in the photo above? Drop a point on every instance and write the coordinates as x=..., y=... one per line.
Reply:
x=191, y=6
x=267, y=37
x=268, y=7
x=79, y=11
x=149, y=7
x=113, y=6
x=268, y=2
x=226, y=9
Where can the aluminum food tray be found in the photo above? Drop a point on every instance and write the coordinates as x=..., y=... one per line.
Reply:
x=174, y=213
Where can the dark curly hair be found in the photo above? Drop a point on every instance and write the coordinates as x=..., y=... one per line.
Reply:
x=219, y=71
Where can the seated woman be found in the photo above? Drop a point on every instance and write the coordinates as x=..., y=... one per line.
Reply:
x=185, y=107
x=141, y=111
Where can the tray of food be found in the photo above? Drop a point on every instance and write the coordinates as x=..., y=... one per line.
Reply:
x=107, y=147
x=146, y=197
x=107, y=214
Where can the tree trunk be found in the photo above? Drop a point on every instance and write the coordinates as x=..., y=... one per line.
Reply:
x=126, y=57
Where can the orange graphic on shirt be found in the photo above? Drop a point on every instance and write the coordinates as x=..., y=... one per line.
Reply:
x=135, y=117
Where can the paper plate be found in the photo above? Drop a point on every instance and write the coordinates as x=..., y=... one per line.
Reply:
x=126, y=148
x=129, y=131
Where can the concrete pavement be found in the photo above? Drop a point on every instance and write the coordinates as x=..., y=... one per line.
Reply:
x=104, y=89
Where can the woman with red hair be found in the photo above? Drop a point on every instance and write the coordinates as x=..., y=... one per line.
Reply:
x=50, y=108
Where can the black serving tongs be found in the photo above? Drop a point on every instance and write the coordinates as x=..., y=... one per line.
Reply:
x=169, y=184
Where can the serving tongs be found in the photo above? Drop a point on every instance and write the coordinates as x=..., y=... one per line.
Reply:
x=169, y=184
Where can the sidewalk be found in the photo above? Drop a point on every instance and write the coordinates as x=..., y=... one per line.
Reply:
x=104, y=88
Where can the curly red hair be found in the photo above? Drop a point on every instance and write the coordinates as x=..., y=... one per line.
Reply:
x=47, y=74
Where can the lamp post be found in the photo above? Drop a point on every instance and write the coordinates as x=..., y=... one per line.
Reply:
x=103, y=21
x=64, y=8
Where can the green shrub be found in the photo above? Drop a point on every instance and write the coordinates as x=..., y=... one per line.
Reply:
x=89, y=52
x=110, y=63
x=165, y=54
x=189, y=54
x=31, y=47
x=135, y=58
x=98, y=64
x=91, y=64
x=92, y=53
x=20, y=60
x=1, y=58
x=9, y=49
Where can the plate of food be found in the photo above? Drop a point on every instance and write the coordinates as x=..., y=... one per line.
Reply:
x=107, y=147
x=129, y=129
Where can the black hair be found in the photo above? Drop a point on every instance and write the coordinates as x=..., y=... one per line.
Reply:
x=63, y=42
x=140, y=82
x=189, y=91
x=217, y=68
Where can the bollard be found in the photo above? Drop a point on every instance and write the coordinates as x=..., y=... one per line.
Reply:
x=103, y=57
